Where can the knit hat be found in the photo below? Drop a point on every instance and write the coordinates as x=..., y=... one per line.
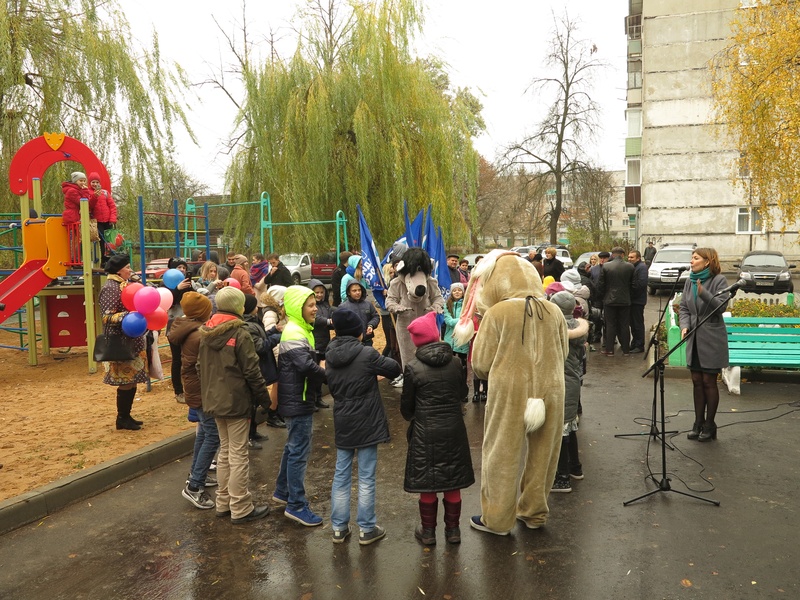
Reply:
x=230, y=300
x=277, y=292
x=77, y=175
x=456, y=286
x=175, y=262
x=94, y=176
x=250, y=302
x=398, y=249
x=565, y=301
x=347, y=322
x=239, y=259
x=116, y=263
x=572, y=276
x=196, y=306
x=424, y=330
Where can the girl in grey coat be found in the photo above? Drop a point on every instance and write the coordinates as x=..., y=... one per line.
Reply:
x=707, y=348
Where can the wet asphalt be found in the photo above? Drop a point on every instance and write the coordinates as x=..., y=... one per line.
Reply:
x=143, y=540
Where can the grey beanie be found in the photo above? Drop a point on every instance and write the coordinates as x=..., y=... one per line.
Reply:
x=572, y=276
x=565, y=301
x=230, y=300
x=77, y=175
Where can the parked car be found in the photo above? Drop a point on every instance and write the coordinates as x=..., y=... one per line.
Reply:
x=299, y=266
x=765, y=271
x=665, y=267
x=323, y=265
x=562, y=254
x=586, y=256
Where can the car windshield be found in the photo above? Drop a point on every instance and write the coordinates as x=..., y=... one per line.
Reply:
x=673, y=256
x=764, y=260
x=290, y=260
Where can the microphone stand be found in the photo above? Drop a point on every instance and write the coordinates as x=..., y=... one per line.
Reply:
x=664, y=483
x=657, y=376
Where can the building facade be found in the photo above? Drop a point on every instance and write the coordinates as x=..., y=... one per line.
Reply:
x=679, y=181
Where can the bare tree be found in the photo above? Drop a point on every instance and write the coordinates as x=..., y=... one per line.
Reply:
x=591, y=194
x=554, y=148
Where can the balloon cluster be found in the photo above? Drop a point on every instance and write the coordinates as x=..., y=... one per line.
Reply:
x=148, y=306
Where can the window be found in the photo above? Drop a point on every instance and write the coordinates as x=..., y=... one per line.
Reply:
x=634, y=26
x=634, y=74
x=634, y=119
x=748, y=220
x=633, y=174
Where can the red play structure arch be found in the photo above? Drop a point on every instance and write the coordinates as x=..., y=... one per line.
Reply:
x=34, y=158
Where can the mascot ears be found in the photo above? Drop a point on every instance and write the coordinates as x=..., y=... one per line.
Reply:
x=534, y=414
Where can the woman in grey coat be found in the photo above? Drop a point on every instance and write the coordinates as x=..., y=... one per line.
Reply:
x=707, y=348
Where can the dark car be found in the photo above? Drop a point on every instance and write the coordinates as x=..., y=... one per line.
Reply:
x=765, y=271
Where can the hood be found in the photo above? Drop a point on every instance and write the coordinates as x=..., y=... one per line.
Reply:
x=508, y=276
x=68, y=184
x=578, y=328
x=436, y=354
x=181, y=328
x=352, y=264
x=219, y=329
x=342, y=351
x=293, y=300
x=314, y=283
x=361, y=285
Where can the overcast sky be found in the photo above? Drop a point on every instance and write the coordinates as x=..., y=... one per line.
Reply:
x=495, y=48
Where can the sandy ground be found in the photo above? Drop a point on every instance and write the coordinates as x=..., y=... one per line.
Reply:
x=56, y=418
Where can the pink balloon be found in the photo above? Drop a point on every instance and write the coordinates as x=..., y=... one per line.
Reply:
x=233, y=283
x=157, y=320
x=146, y=300
x=166, y=298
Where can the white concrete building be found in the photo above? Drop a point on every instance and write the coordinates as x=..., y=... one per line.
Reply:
x=679, y=184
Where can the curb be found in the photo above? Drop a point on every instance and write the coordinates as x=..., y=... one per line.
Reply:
x=41, y=502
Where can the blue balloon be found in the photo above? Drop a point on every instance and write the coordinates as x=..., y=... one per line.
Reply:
x=172, y=278
x=134, y=324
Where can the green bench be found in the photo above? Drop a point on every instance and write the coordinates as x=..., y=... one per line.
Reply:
x=764, y=341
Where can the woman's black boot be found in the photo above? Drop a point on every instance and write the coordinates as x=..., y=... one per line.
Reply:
x=696, y=428
x=709, y=432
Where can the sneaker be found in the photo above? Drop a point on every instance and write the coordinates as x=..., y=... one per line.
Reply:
x=254, y=445
x=341, y=535
x=258, y=437
x=213, y=466
x=304, y=516
x=279, y=499
x=211, y=480
x=576, y=473
x=368, y=537
x=476, y=523
x=258, y=512
x=199, y=498
x=561, y=485
x=397, y=382
x=180, y=398
x=223, y=513
x=276, y=421
x=528, y=524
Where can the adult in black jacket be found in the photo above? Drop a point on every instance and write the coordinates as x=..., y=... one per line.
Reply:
x=638, y=300
x=616, y=285
x=337, y=274
x=551, y=265
x=438, y=458
x=278, y=273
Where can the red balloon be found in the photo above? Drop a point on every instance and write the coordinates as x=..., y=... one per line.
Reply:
x=157, y=320
x=233, y=283
x=128, y=292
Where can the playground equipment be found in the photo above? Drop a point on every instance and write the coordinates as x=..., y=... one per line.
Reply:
x=50, y=248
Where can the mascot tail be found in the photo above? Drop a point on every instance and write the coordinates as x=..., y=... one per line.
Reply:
x=534, y=415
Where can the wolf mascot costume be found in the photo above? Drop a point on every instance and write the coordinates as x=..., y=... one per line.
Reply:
x=412, y=294
x=520, y=348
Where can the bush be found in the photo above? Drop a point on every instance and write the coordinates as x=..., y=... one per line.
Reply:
x=754, y=308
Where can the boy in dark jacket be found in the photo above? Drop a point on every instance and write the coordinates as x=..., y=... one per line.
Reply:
x=297, y=366
x=438, y=458
x=230, y=384
x=185, y=334
x=359, y=422
x=322, y=334
x=357, y=302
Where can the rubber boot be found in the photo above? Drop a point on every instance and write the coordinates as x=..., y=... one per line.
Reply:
x=426, y=532
x=124, y=405
x=452, y=515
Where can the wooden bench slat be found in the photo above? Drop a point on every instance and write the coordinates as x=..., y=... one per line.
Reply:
x=763, y=346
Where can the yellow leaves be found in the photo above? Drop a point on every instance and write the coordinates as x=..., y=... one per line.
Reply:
x=686, y=583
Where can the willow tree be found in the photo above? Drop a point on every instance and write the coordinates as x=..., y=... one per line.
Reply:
x=352, y=118
x=68, y=65
x=755, y=87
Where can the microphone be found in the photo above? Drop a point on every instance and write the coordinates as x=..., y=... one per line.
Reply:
x=732, y=288
x=682, y=269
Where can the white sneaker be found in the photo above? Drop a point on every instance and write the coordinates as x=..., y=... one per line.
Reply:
x=397, y=382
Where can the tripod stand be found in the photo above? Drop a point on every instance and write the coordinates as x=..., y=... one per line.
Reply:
x=657, y=375
x=664, y=483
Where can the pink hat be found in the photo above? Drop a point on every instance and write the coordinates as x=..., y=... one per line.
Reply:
x=424, y=330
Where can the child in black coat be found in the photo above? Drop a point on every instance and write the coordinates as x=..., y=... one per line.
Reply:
x=322, y=336
x=358, y=303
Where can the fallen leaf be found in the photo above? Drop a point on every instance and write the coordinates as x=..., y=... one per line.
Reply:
x=421, y=591
x=72, y=555
x=753, y=583
x=686, y=583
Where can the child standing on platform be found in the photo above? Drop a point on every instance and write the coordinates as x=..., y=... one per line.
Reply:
x=438, y=458
x=452, y=311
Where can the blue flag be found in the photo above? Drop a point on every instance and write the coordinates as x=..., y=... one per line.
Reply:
x=434, y=246
x=370, y=263
x=413, y=236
